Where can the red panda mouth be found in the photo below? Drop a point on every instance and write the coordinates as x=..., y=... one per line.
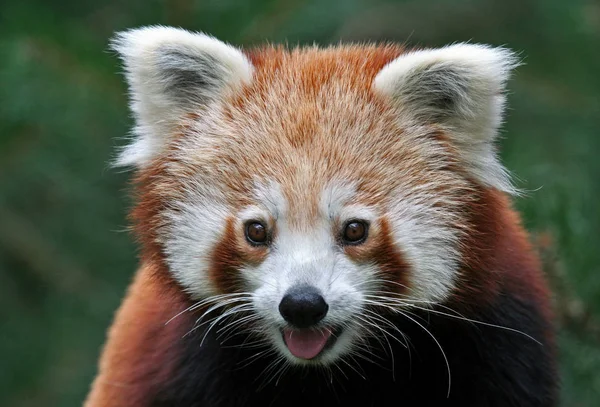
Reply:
x=308, y=343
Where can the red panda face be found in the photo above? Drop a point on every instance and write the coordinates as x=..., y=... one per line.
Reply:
x=298, y=188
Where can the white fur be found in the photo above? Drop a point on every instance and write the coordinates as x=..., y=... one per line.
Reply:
x=194, y=225
x=271, y=198
x=428, y=242
x=150, y=59
x=311, y=257
x=473, y=78
x=335, y=197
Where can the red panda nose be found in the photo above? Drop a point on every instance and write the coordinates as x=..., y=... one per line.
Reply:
x=303, y=306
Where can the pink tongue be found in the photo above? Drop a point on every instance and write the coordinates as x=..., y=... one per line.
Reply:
x=306, y=343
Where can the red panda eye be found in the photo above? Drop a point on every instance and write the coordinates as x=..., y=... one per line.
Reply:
x=355, y=232
x=256, y=233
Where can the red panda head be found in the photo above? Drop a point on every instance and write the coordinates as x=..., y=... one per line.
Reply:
x=300, y=187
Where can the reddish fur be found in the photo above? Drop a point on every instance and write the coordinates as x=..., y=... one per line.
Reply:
x=303, y=73
x=390, y=261
x=141, y=349
x=496, y=252
x=318, y=65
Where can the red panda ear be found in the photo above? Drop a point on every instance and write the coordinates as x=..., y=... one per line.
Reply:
x=461, y=88
x=171, y=72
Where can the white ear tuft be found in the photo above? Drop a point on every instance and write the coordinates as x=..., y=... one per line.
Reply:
x=172, y=72
x=460, y=87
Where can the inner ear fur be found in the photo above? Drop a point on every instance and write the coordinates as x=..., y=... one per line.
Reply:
x=461, y=88
x=171, y=72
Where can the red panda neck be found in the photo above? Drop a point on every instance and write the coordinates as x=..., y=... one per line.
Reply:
x=141, y=348
x=497, y=255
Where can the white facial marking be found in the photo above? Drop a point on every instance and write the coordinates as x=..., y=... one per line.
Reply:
x=420, y=228
x=430, y=245
x=195, y=224
x=312, y=257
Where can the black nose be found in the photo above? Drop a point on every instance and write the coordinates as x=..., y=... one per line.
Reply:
x=303, y=306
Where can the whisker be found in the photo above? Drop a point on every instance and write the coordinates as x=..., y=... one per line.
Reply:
x=343, y=360
x=271, y=367
x=281, y=372
x=216, y=319
x=385, y=321
x=439, y=346
x=240, y=321
x=205, y=301
x=228, y=313
x=342, y=370
x=480, y=323
x=223, y=304
x=180, y=313
x=392, y=307
x=411, y=304
x=230, y=329
x=255, y=357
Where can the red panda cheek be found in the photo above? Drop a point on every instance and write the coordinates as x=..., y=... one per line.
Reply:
x=379, y=249
x=229, y=256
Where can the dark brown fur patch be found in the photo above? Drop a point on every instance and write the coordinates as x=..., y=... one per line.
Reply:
x=380, y=249
x=230, y=254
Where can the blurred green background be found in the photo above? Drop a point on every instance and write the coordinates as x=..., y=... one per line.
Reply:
x=65, y=258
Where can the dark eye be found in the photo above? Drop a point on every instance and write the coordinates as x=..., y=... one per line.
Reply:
x=355, y=232
x=256, y=233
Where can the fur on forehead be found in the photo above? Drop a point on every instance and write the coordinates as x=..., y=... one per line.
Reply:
x=310, y=116
x=173, y=72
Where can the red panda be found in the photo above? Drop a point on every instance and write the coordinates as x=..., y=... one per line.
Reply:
x=323, y=226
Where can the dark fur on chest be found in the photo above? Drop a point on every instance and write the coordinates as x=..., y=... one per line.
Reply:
x=489, y=366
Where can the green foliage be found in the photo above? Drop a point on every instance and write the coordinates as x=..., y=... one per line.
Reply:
x=65, y=258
